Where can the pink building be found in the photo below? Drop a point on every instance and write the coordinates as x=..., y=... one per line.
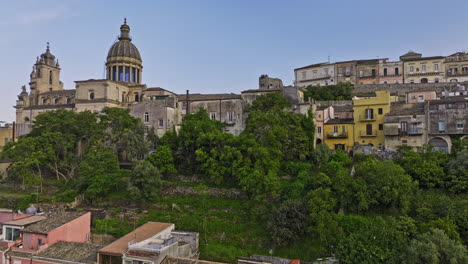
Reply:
x=64, y=226
x=420, y=96
x=390, y=72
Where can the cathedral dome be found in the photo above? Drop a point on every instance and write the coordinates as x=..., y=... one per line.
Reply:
x=124, y=47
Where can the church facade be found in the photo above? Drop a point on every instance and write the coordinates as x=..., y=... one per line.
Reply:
x=156, y=107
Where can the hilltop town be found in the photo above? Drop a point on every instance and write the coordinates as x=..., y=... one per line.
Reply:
x=362, y=161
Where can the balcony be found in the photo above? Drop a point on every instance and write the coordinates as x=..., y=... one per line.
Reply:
x=411, y=132
x=365, y=118
x=332, y=135
x=372, y=133
x=463, y=73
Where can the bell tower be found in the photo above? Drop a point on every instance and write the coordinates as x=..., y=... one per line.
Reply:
x=45, y=75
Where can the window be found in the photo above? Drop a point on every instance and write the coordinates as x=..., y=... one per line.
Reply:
x=385, y=72
x=146, y=117
x=404, y=142
x=335, y=129
x=397, y=71
x=56, y=100
x=385, y=82
x=39, y=242
x=420, y=98
x=436, y=80
x=91, y=95
x=161, y=123
x=380, y=111
x=50, y=77
x=464, y=70
x=127, y=73
x=137, y=97
x=441, y=107
x=423, y=68
x=348, y=71
x=68, y=100
x=11, y=234
x=304, y=75
x=380, y=126
x=184, y=105
x=411, y=81
x=404, y=126
x=343, y=129
x=369, y=114
x=230, y=117
x=373, y=72
x=460, y=124
x=436, y=67
x=361, y=73
x=441, y=126
x=213, y=115
x=319, y=130
x=411, y=69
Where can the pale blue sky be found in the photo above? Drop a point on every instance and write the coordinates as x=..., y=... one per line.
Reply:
x=216, y=46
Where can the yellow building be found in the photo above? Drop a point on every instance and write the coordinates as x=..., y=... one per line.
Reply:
x=369, y=113
x=339, y=133
x=6, y=134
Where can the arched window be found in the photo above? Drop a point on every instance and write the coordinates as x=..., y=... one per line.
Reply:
x=68, y=100
x=44, y=101
x=50, y=77
x=91, y=95
x=146, y=117
x=137, y=97
x=56, y=100
x=123, y=97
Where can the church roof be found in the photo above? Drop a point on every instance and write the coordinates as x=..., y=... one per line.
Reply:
x=124, y=47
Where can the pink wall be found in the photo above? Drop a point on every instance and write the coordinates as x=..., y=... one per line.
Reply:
x=77, y=230
x=6, y=216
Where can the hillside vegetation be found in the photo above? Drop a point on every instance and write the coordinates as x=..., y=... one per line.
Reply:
x=301, y=202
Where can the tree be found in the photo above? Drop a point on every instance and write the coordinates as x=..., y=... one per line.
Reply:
x=145, y=181
x=434, y=247
x=426, y=166
x=125, y=134
x=99, y=173
x=321, y=155
x=163, y=160
x=458, y=172
x=342, y=91
x=288, y=222
x=382, y=184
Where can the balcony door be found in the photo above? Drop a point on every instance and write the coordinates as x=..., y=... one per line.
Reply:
x=369, y=114
x=369, y=129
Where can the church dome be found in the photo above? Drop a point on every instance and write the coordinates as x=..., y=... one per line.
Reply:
x=124, y=47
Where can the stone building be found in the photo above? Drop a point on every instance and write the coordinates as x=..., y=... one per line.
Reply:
x=419, y=69
x=158, y=108
x=346, y=72
x=446, y=118
x=321, y=74
x=265, y=82
x=405, y=125
x=456, y=67
x=368, y=71
x=390, y=72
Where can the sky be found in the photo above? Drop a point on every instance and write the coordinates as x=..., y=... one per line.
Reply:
x=218, y=46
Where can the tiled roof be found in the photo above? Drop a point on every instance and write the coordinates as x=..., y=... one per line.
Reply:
x=399, y=109
x=143, y=232
x=343, y=108
x=63, y=252
x=26, y=221
x=208, y=97
x=53, y=221
x=177, y=260
x=314, y=65
x=261, y=91
x=340, y=121
x=451, y=99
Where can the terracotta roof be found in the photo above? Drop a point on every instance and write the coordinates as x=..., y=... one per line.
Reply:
x=208, y=97
x=19, y=254
x=53, y=221
x=63, y=252
x=340, y=121
x=177, y=260
x=143, y=232
x=26, y=221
